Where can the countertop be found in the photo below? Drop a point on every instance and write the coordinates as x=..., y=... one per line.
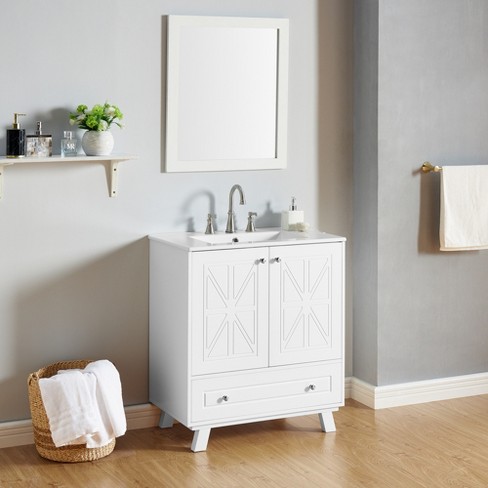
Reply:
x=192, y=241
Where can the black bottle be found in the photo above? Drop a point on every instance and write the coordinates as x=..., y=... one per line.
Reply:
x=15, y=139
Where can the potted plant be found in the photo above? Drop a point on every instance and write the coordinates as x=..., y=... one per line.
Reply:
x=97, y=140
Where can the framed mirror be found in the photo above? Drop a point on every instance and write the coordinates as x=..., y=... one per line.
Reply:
x=227, y=91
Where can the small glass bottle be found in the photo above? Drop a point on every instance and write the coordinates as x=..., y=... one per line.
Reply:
x=69, y=146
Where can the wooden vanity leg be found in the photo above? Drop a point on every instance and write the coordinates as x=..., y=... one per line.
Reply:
x=327, y=421
x=200, y=440
x=165, y=421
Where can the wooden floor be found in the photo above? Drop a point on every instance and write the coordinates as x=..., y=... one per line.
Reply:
x=440, y=444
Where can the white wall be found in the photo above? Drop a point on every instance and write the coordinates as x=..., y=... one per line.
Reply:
x=73, y=262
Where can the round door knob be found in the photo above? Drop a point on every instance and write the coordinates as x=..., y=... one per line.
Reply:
x=312, y=387
x=277, y=259
x=225, y=398
x=262, y=260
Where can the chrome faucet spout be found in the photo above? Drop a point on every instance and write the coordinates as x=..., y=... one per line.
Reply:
x=230, y=228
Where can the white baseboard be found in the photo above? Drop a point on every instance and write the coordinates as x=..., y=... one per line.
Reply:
x=19, y=432
x=146, y=415
x=402, y=394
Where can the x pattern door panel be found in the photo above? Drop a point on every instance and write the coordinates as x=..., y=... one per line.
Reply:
x=230, y=317
x=305, y=308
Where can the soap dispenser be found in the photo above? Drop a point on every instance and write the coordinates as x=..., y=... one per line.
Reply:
x=39, y=145
x=292, y=217
x=15, y=139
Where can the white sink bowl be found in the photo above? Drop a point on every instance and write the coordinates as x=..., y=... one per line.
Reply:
x=238, y=237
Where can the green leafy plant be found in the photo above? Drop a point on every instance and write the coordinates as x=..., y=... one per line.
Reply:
x=99, y=118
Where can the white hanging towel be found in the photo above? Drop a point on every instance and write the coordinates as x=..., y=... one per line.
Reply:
x=464, y=208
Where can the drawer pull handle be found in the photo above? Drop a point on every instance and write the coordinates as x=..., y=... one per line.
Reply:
x=277, y=259
x=225, y=398
x=312, y=387
x=262, y=260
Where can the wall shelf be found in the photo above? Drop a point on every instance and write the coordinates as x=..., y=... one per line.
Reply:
x=112, y=160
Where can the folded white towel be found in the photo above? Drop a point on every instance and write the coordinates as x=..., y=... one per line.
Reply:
x=70, y=403
x=464, y=208
x=109, y=399
x=84, y=406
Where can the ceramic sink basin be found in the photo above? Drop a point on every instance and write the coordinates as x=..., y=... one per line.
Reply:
x=237, y=237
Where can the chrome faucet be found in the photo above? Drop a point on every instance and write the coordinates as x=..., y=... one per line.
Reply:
x=251, y=227
x=210, y=225
x=230, y=214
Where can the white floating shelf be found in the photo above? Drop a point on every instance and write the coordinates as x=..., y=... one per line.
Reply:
x=113, y=160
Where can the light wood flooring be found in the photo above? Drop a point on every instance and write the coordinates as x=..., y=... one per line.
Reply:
x=439, y=444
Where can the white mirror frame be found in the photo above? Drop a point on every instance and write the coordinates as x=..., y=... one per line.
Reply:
x=181, y=76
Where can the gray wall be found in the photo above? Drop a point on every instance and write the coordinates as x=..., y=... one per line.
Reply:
x=365, y=284
x=73, y=262
x=335, y=19
x=432, y=75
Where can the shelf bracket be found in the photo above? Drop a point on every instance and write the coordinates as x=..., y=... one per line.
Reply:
x=113, y=177
x=2, y=169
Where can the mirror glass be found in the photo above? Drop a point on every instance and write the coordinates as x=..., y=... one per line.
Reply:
x=226, y=93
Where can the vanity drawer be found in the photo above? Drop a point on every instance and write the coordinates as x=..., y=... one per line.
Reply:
x=271, y=391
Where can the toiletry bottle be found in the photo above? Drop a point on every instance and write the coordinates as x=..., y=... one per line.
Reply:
x=69, y=146
x=292, y=217
x=15, y=139
x=39, y=145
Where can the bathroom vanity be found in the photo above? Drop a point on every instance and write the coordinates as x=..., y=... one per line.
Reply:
x=246, y=327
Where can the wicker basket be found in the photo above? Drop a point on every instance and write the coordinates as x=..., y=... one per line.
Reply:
x=40, y=423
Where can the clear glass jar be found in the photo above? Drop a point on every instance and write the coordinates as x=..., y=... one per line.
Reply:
x=69, y=145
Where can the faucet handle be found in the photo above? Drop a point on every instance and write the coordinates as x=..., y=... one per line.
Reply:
x=250, y=221
x=210, y=225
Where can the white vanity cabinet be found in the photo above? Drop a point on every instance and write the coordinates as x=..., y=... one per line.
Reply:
x=247, y=332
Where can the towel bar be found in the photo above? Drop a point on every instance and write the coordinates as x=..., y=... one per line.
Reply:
x=428, y=168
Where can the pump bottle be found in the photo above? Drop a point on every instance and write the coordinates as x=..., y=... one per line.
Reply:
x=292, y=217
x=15, y=139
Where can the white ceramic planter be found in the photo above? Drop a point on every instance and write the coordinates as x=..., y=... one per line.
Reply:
x=96, y=143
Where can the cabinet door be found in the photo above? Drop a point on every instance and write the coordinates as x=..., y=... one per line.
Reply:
x=306, y=311
x=229, y=310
